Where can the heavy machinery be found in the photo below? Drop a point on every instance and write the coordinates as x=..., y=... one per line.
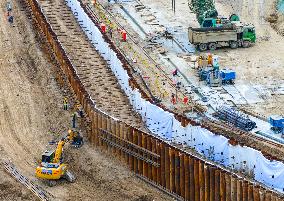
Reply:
x=208, y=71
x=216, y=31
x=203, y=9
x=277, y=123
x=237, y=35
x=52, y=167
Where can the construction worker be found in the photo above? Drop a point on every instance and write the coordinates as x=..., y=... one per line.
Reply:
x=210, y=59
x=65, y=103
x=185, y=100
x=175, y=72
x=9, y=7
x=173, y=99
x=200, y=62
x=11, y=19
x=74, y=120
x=110, y=32
x=79, y=109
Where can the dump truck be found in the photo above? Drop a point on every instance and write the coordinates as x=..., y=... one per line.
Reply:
x=234, y=35
x=218, y=31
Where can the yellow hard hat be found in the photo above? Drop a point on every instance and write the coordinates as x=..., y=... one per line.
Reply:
x=69, y=131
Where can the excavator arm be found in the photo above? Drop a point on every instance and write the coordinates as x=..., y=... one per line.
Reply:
x=58, y=151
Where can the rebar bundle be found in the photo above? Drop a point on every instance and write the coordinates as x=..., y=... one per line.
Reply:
x=235, y=117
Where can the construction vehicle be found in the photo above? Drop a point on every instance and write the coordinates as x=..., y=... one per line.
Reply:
x=277, y=123
x=217, y=31
x=208, y=71
x=237, y=35
x=52, y=167
x=228, y=76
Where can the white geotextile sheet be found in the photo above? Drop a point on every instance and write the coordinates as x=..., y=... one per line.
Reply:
x=162, y=123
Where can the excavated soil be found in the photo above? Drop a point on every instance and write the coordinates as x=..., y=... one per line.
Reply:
x=32, y=115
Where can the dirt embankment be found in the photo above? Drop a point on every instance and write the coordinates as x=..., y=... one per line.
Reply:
x=32, y=115
x=276, y=18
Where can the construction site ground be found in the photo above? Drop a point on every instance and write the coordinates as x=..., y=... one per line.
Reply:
x=32, y=115
x=259, y=65
x=31, y=100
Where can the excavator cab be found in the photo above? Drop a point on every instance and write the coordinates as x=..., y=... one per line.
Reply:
x=47, y=156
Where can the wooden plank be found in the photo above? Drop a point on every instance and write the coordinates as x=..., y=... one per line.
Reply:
x=172, y=169
x=186, y=177
x=154, y=150
x=267, y=196
x=228, y=187
x=145, y=165
x=149, y=147
x=212, y=183
x=250, y=192
x=256, y=196
x=158, y=145
x=217, y=184
x=113, y=131
x=95, y=129
x=239, y=190
x=245, y=191
x=167, y=167
x=100, y=142
x=201, y=181
x=191, y=179
x=207, y=182
x=222, y=186
x=196, y=180
x=135, y=141
x=117, y=133
x=233, y=189
x=140, y=162
x=182, y=176
x=177, y=172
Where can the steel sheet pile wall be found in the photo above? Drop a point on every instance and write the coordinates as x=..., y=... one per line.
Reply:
x=163, y=123
x=175, y=170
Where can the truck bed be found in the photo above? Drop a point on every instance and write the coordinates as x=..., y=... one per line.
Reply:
x=209, y=35
x=208, y=29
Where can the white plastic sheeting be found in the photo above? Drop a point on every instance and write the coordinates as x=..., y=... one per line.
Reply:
x=162, y=123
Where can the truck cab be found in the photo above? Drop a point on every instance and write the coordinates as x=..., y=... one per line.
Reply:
x=249, y=33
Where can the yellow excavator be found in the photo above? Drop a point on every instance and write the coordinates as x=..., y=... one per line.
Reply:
x=52, y=167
